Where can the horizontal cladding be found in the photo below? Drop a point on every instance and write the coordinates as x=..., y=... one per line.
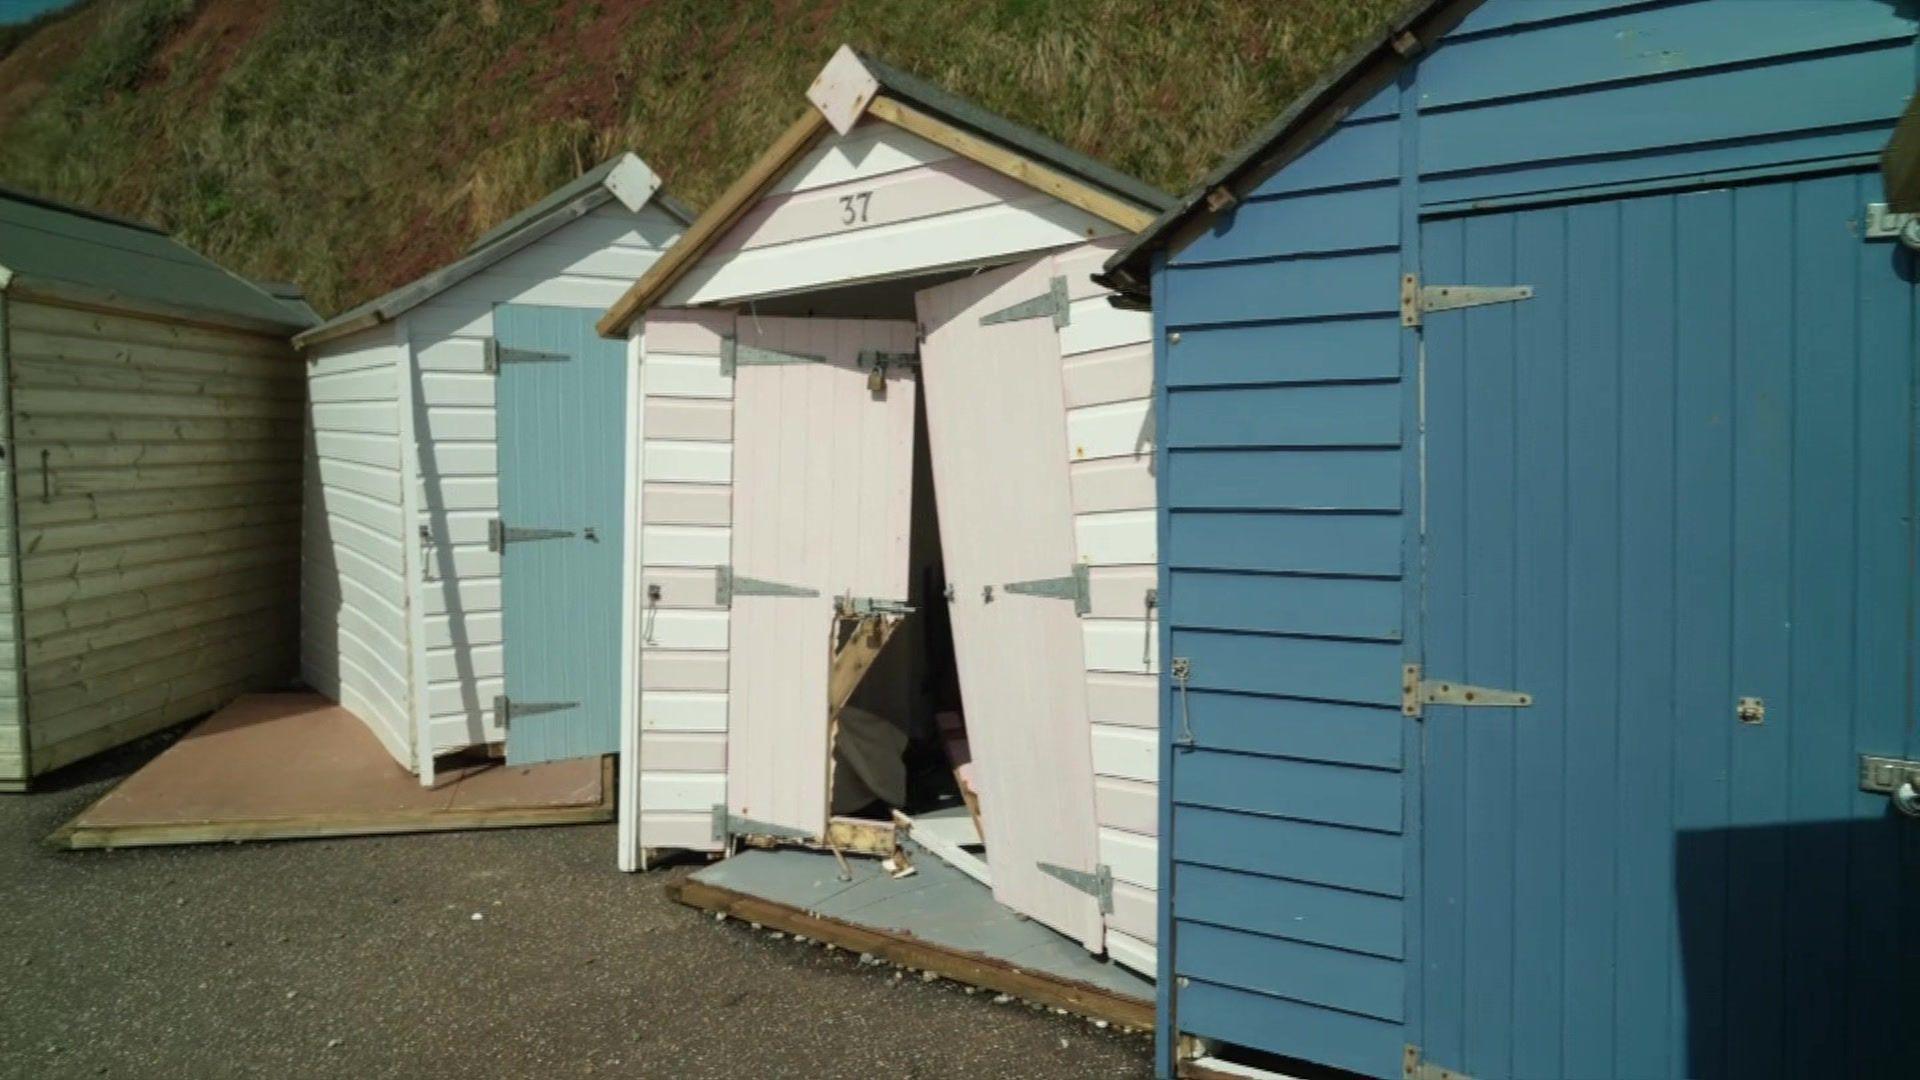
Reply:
x=1284, y=473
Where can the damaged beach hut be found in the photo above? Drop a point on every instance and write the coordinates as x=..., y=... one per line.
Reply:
x=1538, y=454
x=465, y=493
x=149, y=484
x=885, y=418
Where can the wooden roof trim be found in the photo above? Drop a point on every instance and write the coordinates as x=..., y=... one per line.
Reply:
x=712, y=225
x=1001, y=160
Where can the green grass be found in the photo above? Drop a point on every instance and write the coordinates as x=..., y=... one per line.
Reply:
x=352, y=144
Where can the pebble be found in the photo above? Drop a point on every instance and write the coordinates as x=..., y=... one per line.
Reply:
x=1002, y=999
x=477, y=917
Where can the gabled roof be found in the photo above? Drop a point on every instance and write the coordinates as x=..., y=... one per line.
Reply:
x=72, y=252
x=852, y=86
x=625, y=177
x=1364, y=71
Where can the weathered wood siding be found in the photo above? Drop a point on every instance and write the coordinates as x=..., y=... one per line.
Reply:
x=354, y=640
x=14, y=768
x=160, y=466
x=586, y=264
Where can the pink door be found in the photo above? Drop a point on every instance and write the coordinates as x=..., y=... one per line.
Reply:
x=822, y=500
x=996, y=420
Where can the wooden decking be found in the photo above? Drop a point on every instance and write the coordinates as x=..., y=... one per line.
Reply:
x=287, y=766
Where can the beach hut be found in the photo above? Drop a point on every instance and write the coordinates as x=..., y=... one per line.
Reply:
x=464, y=518
x=149, y=484
x=900, y=260
x=1535, y=412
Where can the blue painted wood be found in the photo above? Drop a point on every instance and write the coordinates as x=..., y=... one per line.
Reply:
x=1342, y=414
x=1166, y=1032
x=1307, y=542
x=1295, y=728
x=1359, y=859
x=1339, y=350
x=1284, y=479
x=1291, y=604
x=1343, y=1040
x=1825, y=91
x=1295, y=910
x=1301, y=790
x=1362, y=672
x=1347, y=219
x=1355, y=152
x=1647, y=43
x=1503, y=16
x=1290, y=288
x=1348, y=981
x=561, y=457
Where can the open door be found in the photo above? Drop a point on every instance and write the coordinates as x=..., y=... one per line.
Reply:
x=996, y=422
x=561, y=417
x=822, y=506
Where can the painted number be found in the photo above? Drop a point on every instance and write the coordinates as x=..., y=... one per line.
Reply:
x=853, y=208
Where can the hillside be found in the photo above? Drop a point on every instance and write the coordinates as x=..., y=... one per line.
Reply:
x=350, y=145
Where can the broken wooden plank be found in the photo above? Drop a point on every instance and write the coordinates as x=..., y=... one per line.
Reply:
x=946, y=851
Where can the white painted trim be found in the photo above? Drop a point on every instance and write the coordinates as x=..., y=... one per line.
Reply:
x=415, y=603
x=630, y=855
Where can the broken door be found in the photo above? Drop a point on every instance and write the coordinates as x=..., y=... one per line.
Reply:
x=996, y=422
x=822, y=496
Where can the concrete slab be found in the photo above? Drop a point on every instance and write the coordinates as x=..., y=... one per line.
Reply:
x=280, y=766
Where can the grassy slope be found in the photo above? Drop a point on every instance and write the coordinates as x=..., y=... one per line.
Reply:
x=350, y=145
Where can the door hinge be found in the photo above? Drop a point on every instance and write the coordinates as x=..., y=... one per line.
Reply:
x=500, y=534
x=727, y=585
x=1071, y=587
x=734, y=356
x=1416, y=693
x=506, y=710
x=1097, y=883
x=1414, y=1067
x=1416, y=299
x=497, y=354
x=727, y=825
x=1053, y=302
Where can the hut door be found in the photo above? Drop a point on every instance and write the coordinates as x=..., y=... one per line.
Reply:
x=996, y=422
x=560, y=417
x=822, y=497
x=1669, y=498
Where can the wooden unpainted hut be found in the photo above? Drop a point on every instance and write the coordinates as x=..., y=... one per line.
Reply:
x=150, y=487
x=462, y=550
x=899, y=243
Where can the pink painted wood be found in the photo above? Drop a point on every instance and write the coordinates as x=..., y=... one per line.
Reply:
x=996, y=420
x=871, y=202
x=823, y=482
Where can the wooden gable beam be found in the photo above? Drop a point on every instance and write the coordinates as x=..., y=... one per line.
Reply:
x=998, y=158
x=712, y=225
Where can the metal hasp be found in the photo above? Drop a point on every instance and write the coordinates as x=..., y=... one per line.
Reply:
x=1416, y=693
x=859, y=607
x=875, y=363
x=727, y=585
x=1417, y=299
x=1072, y=587
x=734, y=355
x=499, y=535
x=726, y=825
x=506, y=710
x=497, y=354
x=1098, y=883
x=1052, y=303
x=1884, y=775
x=1884, y=224
x=1413, y=1067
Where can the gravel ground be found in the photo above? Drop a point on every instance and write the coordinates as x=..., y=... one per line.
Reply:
x=510, y=953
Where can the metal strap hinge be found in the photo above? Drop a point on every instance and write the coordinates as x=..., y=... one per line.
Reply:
x=1414, y=1067
x=500, y=534
x=497, y=354
x=1416, y=693
x=1098, y=883
x=1071, y=587
x=727, y=585
x=727, y=825
x=1416, y=299
x=734, y=356
x=506, y=710
x=1053, y=303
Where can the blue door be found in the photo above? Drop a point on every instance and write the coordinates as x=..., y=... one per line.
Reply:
x=1671, y=497
x=561, y=405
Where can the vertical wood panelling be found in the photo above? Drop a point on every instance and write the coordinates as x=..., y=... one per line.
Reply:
x=15, y=768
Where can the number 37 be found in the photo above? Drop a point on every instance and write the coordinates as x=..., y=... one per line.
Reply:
x=853, y=208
